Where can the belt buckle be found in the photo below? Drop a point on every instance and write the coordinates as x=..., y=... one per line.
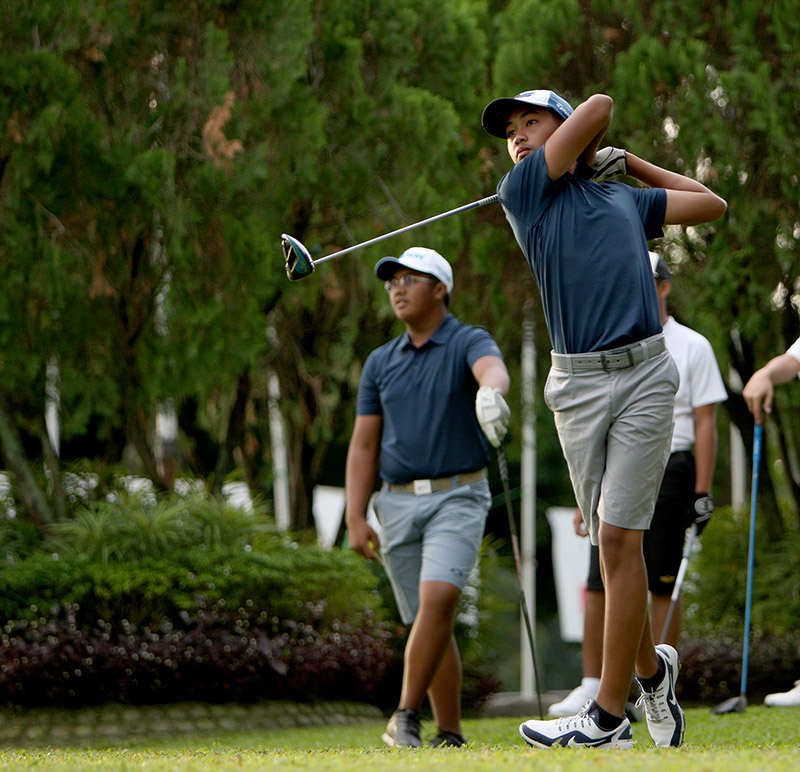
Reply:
x=422, y=486
x=605, y=360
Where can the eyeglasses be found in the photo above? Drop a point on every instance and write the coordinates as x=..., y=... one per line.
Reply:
x=406, y=281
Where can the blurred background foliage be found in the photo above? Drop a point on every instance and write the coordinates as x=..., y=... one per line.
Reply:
x=151, y=154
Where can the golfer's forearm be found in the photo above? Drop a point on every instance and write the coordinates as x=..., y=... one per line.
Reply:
x=491, y=371
x=781, y=369
x=359, y=483
x=705, y=458
x=606, y=114
x=657, y=177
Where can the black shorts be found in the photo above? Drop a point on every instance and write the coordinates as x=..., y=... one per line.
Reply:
x=663, y=543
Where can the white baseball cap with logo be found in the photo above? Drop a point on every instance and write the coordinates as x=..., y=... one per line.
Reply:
x=495, y=114
x=419, y=259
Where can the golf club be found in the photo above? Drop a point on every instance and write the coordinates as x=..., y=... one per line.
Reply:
x=739, y=704
x=688, y=543
x=298, y=261
x=503, y=466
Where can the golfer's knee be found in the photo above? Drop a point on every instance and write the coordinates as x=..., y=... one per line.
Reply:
x=620, y=550
x=439, y=598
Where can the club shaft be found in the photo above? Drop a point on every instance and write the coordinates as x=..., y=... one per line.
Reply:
x=676, y=590
x=503, y=466
x=757, y=440
x=435, y=218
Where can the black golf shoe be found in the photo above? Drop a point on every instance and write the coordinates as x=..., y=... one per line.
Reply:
x=403, y=729
x=447, y=739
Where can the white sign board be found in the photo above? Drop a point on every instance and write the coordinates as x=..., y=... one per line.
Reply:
x=571, y=565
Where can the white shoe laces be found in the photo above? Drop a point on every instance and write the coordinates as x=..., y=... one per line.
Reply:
x=655, y=704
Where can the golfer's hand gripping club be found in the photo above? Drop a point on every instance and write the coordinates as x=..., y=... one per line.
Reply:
x=700, y=511
x=608, y=162
x=493, y=414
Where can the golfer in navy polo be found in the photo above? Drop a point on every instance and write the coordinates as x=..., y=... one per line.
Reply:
x=427, y=403
x=612, y=382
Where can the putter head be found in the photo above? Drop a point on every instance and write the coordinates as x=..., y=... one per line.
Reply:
x=733, y=705
x=297, y=261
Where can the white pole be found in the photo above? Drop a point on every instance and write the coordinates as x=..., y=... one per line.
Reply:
x=528, y=509
x=52, y=403
x=280, y=467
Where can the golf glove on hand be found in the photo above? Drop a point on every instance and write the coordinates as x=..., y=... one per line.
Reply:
x=700, y=511
x=608, y=162
x=493, y=414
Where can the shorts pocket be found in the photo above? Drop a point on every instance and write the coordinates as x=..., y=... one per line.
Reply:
x=552, y=388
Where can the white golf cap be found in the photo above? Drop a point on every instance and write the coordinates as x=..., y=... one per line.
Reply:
x=660, y=268
x=495, y=114
x=419, y=259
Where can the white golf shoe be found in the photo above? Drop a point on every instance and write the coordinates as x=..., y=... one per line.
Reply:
x=790, y=699
x=578, y=731
x=576, y=699
x=666, y=721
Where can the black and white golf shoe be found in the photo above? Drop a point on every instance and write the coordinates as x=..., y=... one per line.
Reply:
x=403, y=729
x=666, y=721
x=579, y=731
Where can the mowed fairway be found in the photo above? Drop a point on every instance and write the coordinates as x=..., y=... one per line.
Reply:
x=760, y=739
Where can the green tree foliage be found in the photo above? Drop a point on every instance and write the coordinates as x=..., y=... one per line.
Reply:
x=710, y=91
x=152, y=153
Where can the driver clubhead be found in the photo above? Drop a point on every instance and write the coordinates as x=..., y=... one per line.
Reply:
x=297, y=260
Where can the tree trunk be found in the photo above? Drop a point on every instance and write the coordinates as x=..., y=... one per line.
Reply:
x=32, y=497
x=54, y=468
x=234, y=434
x=138, y=435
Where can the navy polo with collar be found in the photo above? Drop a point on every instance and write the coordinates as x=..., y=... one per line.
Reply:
x=426, y=397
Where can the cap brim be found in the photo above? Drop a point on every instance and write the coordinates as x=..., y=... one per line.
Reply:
x=387, y=267
x=495, y=115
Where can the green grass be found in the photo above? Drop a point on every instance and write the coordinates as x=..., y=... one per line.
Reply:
x=760, y=739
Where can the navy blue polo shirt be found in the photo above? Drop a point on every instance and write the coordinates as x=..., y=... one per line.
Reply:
x=586, y=244
x=426, y=397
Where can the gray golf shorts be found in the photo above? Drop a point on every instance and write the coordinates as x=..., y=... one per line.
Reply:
x=433, y=537
x=615, y=429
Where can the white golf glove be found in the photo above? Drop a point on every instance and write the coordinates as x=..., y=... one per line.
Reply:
x=493, y=414
x=608, y=162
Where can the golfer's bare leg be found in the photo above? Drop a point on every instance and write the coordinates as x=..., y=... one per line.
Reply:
x=428, y=641
x=593, y=623
x=627, y=639
x=444, y=692
x=659, y=607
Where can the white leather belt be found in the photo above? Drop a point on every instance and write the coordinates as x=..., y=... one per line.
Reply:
x=421, y=487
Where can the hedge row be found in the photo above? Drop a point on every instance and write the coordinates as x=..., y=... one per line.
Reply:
x=206, y=624
x=53, y=661
x=711, y=667
x=286, y=583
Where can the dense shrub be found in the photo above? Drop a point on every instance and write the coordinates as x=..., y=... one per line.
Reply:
x=714, y=598
x=52, y=661
x=286, y=582
x=715, y=589
x=129, y=526
x=140, y=598
x=711, y=667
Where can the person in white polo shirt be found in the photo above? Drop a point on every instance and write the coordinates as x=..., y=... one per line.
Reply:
x=758, y=394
